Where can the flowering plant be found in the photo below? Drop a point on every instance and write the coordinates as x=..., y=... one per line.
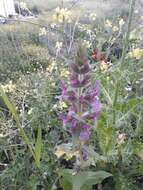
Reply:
x=83, y=100
x=84, y=109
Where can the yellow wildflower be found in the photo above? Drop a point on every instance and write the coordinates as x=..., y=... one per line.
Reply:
x=42, y=31
x=108, y=23
x=103, y=66
x=52, y=66
x=10, y=87
x=64, y=72
x=136, y=53
x=62, y=105
x=92, y=16
x=23, y=5
x=62, y=15
x=121, y=22
x=115, y=28
x=66, y=151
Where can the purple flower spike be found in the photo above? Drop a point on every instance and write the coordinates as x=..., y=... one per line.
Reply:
x=82, y=98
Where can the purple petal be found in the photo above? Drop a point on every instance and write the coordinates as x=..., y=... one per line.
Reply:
x=85, y=154
x=92, y=92
x=84, y=135
x=63, y=86
x=64, y=119
x=96, y=106
x=81, y=99
x=86, y=127
x=74, y=125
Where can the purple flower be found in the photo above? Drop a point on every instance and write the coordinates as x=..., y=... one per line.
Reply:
x=64, y=119
x=66, y=94
x=84, y=135
x=78, y=83
x=96, y=107
x=82, y=98
x=85, y=132
x=92, y=92
x=85, y=154
x=81, y=70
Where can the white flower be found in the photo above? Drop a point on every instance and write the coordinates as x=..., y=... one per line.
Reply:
x=121, y=22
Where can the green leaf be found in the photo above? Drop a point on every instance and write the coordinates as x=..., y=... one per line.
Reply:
x=13, y=111
x=107, y=138
x=83, y=179
x=106, y=95
x=38, y=147
x=65, y=184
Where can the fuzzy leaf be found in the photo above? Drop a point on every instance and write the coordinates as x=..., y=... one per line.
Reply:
x=83, y=179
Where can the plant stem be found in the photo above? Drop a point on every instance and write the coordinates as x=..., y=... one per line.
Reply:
x=99, y=186
x=125, y=48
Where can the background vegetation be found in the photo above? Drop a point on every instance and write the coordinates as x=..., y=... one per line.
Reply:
x=34, y=57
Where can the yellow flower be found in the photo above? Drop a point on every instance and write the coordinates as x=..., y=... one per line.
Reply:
x=23, y=5
x=52, y=66
x=62, y=105
x=115, y=28
x=62, y=15
x=57, y=10
x=92, y=16
x=66, y=150
x=103, y=66
x=136, y=53
x=42, y=31
x=10, y=87
x=59, y=152
x=108, y=23
x=121, y=22
x=64, y=72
